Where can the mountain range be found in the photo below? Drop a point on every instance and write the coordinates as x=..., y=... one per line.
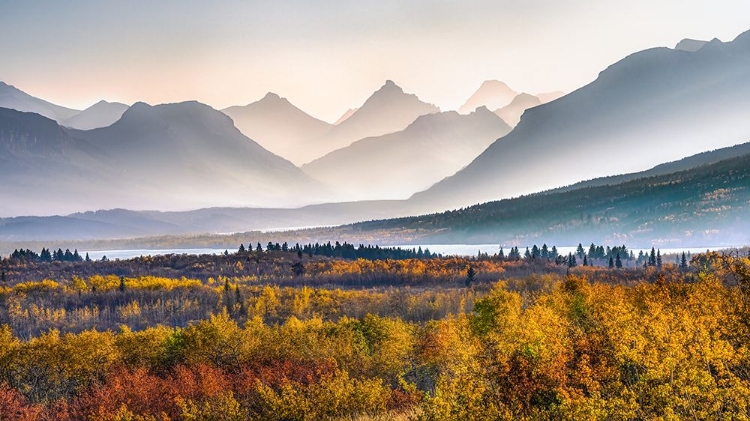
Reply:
x=654, y=106
x=622, y=208
x=396, y=165
x=173, y=156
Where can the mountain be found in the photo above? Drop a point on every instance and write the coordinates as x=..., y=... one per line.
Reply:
x=346, y=115
x=170, y=157
x=15, y=99
x=705, y=205
x=654, y=106
x=120, y=223
x=512, y=112
x=396, y=165
x=546, y=97
x=40, y=163
x=101, y=114
x=280, y=127
x=388, y=110
x=690, y=45
x=492, y=94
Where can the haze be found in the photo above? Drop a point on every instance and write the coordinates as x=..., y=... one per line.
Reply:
x=329, y=56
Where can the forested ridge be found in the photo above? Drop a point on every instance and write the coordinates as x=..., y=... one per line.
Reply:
x=707, y=202
x=668, y=342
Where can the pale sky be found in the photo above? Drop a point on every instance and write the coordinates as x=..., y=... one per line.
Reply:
x=327, y=56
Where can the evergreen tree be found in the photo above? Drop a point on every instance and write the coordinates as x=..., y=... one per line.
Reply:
x=592, y=251
x=241, y=249
x=585, y=260
x=237, y=295
x=527, y=254
x=545, y=251
x=535, y=252
x=579, y=251
x=658, y=259
x=571, y=260
x=501, y=255
x=122, y=284
x=683, y=262
x=88, y=259
x=553, y=253
x=470, y=276
x=611, y=262
x=652, y=257
x=258, y=248
x=618, y=262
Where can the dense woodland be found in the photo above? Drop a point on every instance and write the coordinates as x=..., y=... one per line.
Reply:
x=430, y=338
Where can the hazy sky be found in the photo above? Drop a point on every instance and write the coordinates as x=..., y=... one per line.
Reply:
x=330, y=55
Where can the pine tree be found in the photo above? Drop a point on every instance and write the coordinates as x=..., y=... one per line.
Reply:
x=652, y=257
x=658, y=259
x=611, y=262
x=579, y=251
x=585, y=260
x=122, y=284
x=683, y=262
x=618, y=262
x=571, y=260
x=241, y=249
x=501, y=255
x=553, y=253
x=470, y=276
x=88, y=259
x=258, y=248
x=545, y=251
x=527, y=254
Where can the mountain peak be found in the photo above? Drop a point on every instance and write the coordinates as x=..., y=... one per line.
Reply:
x=690, y=45
x=493, y=94
x=390, y=86
x=271, y=97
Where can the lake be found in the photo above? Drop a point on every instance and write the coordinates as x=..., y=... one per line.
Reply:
x=444, y=249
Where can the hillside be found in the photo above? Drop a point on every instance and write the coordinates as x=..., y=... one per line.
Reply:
x=696, y=207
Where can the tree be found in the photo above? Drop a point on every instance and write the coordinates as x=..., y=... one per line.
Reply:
x=553, y=253
x=545, y=251
x=579, y=251
x=658, y=259
x=683, y=262
x=618, y=262
x=241, y=249
x=652, y=257
x=501, y=255
x=585, y=260
x=571, y=260
x=470, y=276
x=258, y=248
x=122, y=284
x=611, y=262
x=88, y=259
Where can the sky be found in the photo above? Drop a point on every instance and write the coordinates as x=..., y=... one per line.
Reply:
x=327, y=56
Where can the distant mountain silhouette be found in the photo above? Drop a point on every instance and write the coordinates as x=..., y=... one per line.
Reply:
x=120, y=223
x=280, y=127
x=396, y=165
x=492, y=94
x=346, y=115
x=512, y=112
x=388, y=110
x=15, y=99
x=546, y=97
x=690, y=45
x=174, y=156
x=101, y=114
x=654, y=106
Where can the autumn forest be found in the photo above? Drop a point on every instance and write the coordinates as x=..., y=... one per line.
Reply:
x=281, y=335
